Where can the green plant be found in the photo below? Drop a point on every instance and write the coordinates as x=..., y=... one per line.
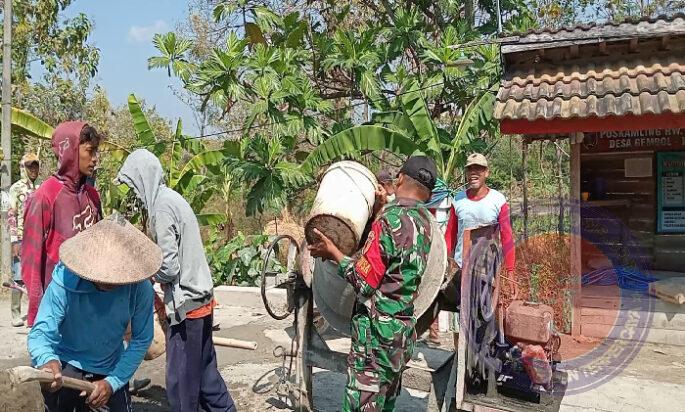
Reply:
x=408, y=127
x=240, y=261
x=189, y=164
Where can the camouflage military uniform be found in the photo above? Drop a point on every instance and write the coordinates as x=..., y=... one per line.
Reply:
x=19, y=192
x=386, y=276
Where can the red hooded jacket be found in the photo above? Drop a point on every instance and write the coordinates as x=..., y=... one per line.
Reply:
x=61, y=207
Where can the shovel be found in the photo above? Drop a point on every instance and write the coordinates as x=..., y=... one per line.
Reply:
x=23, y=374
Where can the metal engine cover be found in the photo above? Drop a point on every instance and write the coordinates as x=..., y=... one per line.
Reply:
x=335, y=298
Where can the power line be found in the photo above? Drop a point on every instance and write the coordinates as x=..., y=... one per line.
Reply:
x=247, y=129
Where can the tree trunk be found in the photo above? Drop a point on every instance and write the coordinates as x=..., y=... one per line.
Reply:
x=229, y=227
x=560, y=188
x=469, y=13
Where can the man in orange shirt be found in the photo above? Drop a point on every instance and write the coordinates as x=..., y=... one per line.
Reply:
x=193, y=380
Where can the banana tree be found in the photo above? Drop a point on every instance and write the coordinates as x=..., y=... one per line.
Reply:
x=24, y=123
x=192, y=178
x=408, y=129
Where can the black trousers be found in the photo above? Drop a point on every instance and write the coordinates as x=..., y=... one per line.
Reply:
x=68, y=400
x=192, y=376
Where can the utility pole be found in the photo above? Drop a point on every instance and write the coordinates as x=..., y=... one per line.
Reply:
x=6, y=135
x=499, y=17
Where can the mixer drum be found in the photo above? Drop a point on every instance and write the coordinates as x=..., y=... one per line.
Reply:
x=335, y=298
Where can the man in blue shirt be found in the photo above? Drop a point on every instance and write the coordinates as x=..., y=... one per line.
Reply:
x=99, y=286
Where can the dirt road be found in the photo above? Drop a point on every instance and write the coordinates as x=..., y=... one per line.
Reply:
x=654, y=378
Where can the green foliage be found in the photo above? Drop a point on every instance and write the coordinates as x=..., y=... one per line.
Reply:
x=268, y=177
x=241, y=260
x=61, y=45
x=172, y=51
x=410, y=128
x=186, y=161
x=24, y=123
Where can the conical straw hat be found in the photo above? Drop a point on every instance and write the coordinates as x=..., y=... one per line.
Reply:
x=112, y=252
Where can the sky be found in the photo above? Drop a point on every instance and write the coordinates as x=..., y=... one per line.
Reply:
x=123, y=33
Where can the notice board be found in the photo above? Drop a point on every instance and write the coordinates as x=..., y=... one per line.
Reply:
x=670, y=192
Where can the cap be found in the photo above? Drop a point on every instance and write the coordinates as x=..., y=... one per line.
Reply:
x=422, y=169
x=384, y=176
x=30, y=158
x=476, y=159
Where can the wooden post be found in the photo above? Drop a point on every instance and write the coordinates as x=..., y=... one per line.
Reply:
x=464, y=316
x=574, y=198
x=560, y=186
x=524, y=165
x=6, y=138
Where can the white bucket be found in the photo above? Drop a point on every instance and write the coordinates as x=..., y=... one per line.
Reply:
x=343, y=205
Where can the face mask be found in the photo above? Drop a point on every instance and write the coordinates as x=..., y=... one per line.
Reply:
x=131, y=207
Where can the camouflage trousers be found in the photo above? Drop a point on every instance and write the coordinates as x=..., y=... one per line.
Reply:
x=379, y=353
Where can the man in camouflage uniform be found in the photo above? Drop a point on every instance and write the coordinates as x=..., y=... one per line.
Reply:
x=386, y=275
x=19, y=192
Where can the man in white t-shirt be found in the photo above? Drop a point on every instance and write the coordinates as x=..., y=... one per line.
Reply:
x=479, y=206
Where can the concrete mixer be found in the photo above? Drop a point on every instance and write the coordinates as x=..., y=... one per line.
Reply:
x=341, y=211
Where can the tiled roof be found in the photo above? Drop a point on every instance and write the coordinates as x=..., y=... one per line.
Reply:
x=618, y=89
x=584, y=33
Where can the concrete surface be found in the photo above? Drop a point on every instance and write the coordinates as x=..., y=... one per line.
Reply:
x=654, y=380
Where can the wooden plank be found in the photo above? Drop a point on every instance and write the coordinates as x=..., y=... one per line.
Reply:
x=607, y=317
x=670, y=241
x=665, y=42
x=659, y=336
x=655, y=306
x=669, y=260
x=603, y=48
x=576, y=257
x=630, y=186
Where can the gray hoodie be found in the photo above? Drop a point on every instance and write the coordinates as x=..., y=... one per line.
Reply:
x=184, y=276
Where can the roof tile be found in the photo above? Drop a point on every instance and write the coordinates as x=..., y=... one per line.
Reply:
x=623, y=88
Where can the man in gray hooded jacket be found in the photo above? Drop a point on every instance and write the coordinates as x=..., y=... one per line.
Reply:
x=188, y=289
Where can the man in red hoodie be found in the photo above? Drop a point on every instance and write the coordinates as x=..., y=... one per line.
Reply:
x=61, y=207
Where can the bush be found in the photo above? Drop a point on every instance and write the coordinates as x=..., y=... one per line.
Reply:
x=240, y=261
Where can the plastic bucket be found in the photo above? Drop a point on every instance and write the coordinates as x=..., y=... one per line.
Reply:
x=343, y=205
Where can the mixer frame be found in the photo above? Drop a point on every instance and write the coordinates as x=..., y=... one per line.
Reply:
x=308, y=349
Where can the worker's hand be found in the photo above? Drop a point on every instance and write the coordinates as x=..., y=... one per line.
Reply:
x=16, y=249
x=381, y=199
x=325, y=248
x=54, y=367
x=100, y=395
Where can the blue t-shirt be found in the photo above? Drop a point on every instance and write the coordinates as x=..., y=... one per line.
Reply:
x=84, y=327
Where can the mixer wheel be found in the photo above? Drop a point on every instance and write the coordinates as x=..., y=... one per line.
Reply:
x=287, y=282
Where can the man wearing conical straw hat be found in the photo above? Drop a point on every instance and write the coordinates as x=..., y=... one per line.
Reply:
x=98, y=287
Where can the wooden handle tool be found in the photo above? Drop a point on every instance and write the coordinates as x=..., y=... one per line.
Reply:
x=22, y=374
x=235, y=343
